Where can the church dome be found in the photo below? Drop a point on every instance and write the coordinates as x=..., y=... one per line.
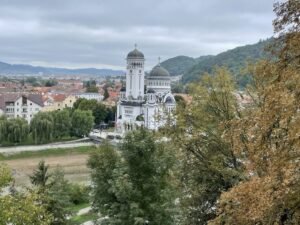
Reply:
x=159, y=71
x=135, y=54
x=169, y=100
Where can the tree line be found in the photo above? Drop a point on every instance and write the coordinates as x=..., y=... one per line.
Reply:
x=46, y=127
x=57, y=125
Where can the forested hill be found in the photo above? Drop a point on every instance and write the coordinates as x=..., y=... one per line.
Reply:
x=181, y=64
x=235, y=60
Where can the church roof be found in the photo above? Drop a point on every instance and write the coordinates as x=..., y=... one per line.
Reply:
x=159, y=71
x=135, y=54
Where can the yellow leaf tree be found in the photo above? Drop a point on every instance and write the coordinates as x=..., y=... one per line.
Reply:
x=267, y=139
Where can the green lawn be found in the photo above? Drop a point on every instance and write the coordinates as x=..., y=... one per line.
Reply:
x=49, y=152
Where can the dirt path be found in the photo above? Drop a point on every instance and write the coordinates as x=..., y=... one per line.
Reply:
x=74, y=166
x=67, y=144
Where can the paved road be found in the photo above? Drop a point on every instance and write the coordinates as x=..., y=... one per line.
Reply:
x=67, y=144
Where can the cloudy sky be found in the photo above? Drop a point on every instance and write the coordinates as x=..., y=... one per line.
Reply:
x=99, y=33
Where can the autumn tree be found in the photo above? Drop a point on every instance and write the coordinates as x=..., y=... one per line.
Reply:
x=267, y=138
x=209, y=163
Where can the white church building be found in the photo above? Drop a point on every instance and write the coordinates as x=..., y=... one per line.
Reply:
x=145, y=101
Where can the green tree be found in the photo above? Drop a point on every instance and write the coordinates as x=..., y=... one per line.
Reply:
x=54, y=191
x=106, y=94
x=100, y=111
x=62, y=123
x=41, y=127
x=17, y=130
x=13, y=130
x=58, y=197
x=209, y=163
x=135, y=185
x=20, y=208
x=40, y=175
x=92, y=89
x=82, y=122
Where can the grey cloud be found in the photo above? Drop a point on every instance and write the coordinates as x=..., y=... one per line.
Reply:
x=100, y=32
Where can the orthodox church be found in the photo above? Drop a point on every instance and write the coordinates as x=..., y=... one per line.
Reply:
x=145, y=101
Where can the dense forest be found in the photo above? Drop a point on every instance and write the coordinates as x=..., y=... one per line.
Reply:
x=235, y=60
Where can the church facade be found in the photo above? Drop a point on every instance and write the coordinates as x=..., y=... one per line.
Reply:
x=144, y=101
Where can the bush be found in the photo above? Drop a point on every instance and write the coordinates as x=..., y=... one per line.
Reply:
x=79, y=194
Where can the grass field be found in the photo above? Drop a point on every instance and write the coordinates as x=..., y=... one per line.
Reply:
x=72, y=160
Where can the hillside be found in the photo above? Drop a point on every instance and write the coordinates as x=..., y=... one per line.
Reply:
x=15, y=69
x=181, y=64
x=235, y=60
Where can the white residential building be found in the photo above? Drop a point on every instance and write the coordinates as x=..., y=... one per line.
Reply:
x=15, y=105
x=90, y=96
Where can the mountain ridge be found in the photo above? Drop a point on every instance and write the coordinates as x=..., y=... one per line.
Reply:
x=23, y=69
x=234, y=59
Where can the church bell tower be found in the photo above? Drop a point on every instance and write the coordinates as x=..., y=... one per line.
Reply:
x=135, y=75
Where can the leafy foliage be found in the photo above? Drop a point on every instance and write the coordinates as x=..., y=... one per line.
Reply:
x=210, y=166
x=20, y=208
x=55, y=192
x=267, y=138
x=45, y=127
x=41, y=127
x=134, y=186
x=82, y=122
x=101, y=112
x=13, y=130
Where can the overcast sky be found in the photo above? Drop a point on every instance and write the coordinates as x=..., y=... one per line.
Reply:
x=99, y=33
